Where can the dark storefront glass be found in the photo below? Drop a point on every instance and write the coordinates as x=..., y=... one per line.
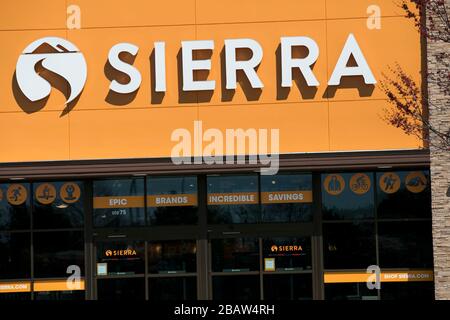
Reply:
x=55, y=251
x=176, y=288
x=235, y=255
x=407, y=291
x=349, y=291
x=404, y=194
x=286, y=198
x=347, y=196
x=288, y=254
x=16, y=296
x=58, y=205
x=233, y=199
x=119, y=203
x=15, y=255
x=14, y=206
x=172, y=257
x=354, y=205
x=288, y=287
x=236, y=288
x=60, y=295
x=121, y=258
x=405, y=244
x=349, y=245
x=172, y=200
x=121, y=289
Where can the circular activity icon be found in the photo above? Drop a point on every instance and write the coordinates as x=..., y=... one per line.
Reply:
x=70, y=192
x=334, y=184
x=45, y=193
x=16, y=194
x=360, y=183
x=416, y=182
x=389, y=182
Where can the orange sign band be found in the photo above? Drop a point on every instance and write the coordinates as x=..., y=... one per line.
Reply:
x=41, y=285
x=118, y=202
x=388, y=276
x=286, y=197
x=232, y=198
x=57, y=285
x=11, y=287
x=172, y=200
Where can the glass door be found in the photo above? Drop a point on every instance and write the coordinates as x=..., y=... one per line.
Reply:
x=263, y=267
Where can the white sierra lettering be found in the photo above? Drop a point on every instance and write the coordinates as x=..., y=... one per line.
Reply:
x=171, y=200
x=63, y=58
x=285, y=196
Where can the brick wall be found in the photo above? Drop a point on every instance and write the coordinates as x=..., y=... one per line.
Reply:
x=440, y=170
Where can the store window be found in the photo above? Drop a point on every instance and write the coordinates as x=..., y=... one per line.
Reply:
x=15, y=296
x=60, y=295
x=405, y=244
x=235, y=255
x=172, y=200
x=287, y=254
x=15, y=255
x=233, y=199
x=14, y=206
x=236, y=288
x=288, y=287
x=58, y=205
x=286, y=198
x=55, y=251
x=120, y=258
x=348, y=196
x=349, y=291
x=423, y=291
x=173, y=288
x=404, y=194
x=171, y=257
x=119, y=203
x=349, y=245
x=121, y=289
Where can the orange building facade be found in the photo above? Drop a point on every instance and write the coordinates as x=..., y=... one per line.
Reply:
x=135, y=223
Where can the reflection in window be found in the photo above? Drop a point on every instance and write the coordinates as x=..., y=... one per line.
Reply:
x=350, y=291
x=55, y=251
x=233, y=199
x=58, y=205
x=172, y=257
x=288, y=253
x=15, y=255
x=236, y=288
x=14, y=206
x=349, y=245
x=172, y=200
x=286, y=198
x=15, y=296
x=288, y=287
x=121, y=289
x=404, y=194
x=121, y=257
x=405, y=244
x=347, y=196
x=407, y=290
x=60, y=295
x=235, y=255
x=176, y=288
x=119, y=203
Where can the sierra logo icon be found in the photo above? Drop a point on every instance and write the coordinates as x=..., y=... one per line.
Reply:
x=56, y=55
